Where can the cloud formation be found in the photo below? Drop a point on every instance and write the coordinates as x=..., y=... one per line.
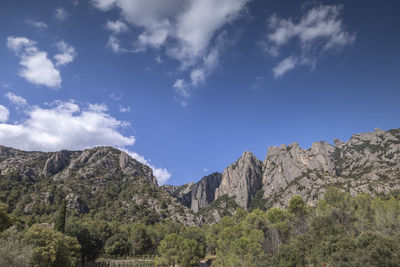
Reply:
x=66, y=55
x=61, y=14
x=37, y=24
x=15, y=99
x=4, y=113
x=185, y=30
x=37, y=68
x=318, y=31
x=66, y=125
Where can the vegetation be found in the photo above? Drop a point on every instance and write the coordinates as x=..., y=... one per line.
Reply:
x=341, y=230
x=60, y=222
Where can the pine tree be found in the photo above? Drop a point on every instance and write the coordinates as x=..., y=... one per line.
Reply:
x=60, y=221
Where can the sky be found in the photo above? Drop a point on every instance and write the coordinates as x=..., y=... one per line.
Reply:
x=187, y=86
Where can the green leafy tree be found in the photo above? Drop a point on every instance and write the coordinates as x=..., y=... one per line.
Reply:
x=60, y=221
x=297, y=206
x=117, y=246
x=190, y=253
x=52, y=248
x=5, y=220
x=91, y=245
x=140, y=240
x=169, y=250
x=14, y=251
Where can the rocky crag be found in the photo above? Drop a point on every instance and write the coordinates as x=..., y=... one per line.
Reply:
x=102, y=182
x=105, y=183
x=367, y=163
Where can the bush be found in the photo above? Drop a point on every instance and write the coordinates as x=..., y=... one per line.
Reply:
x=91, y=245
x=117, y=246
x=14, y=251
x=52, y=248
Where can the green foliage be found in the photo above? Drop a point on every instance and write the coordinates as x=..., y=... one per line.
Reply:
x=297, y=206
x=91, y=245
x=52, y=248
x=169, y=250
x=60, y=221
x=340, y=231
x=175, y=249
x=140, y=240
x=14, y=251
x=5, y=220
x=117, y=246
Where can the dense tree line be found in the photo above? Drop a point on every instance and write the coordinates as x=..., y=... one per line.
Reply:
x=340, y=230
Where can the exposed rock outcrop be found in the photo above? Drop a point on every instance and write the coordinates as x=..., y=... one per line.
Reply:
x=367, y=163
x=101, y=179
x=241, y=180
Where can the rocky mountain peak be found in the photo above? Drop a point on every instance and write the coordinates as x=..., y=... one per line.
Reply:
x=241, y=179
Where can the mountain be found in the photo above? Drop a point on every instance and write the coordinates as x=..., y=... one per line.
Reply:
x=101, y=183
x=106, y=183
x=367, y=163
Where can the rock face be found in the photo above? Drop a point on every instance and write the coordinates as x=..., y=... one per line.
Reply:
x=241, y=180
x=196, y=195
x=102, y=179
x=367, y=163
x=283, y=165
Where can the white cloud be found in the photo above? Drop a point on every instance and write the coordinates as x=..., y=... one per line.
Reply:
x=318, y=31
x=4, y=113
x=284, y=66
x=37, y=24
x=116, y=26
x=15, y=99
x=115, y=45
x=61, y=14
x=124, y=109
x=116, y=97
x=186, y=30
x=37, y=68
x=183, y=91
x=66, y=55
x=67, y=125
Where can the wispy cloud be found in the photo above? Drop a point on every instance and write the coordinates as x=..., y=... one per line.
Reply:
x=37, y=24
x=318, y=31
x=15, y=99
x=61, y=14
x=185, y=30
x=124, y=109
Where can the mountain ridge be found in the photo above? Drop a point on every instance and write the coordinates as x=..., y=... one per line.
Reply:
x=104, y=182
x=366, y=163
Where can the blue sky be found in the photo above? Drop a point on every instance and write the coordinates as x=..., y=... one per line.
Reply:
x=187, y=86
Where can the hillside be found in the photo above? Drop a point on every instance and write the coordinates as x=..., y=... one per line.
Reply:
x=99, y=183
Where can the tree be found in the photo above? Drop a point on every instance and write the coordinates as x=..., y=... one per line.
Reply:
x=140, y=240
x=169, y=249
x=190, y=253
x=60, y=221
x=14, y=251
x=52, y=248
x=117, y=246
x=297, y=206
x=5, y=220
x=90, y=242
